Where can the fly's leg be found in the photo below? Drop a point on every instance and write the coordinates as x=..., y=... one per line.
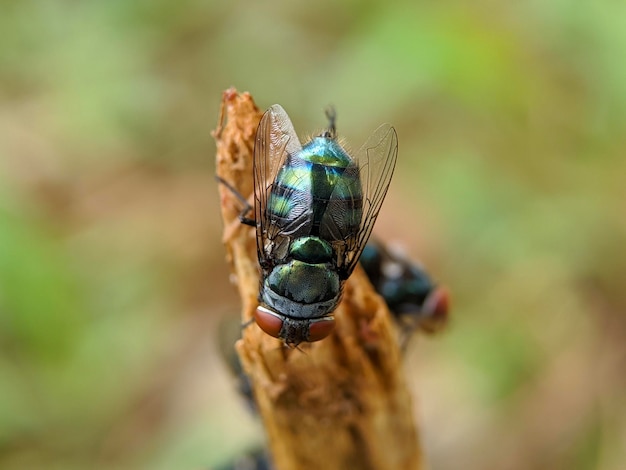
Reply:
x=331, y=115
x=247, y=324
x=247, y=208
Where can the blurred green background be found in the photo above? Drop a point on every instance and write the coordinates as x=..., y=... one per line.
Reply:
x=510, y=187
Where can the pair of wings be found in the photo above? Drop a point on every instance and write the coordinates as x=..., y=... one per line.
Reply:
x=276, y=139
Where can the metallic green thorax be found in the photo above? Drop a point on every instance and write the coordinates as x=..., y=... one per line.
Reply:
x=304, y=286
x=306, y=278
x=311, y=250
x=304, y=282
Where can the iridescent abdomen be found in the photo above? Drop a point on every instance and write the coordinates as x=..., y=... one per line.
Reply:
x=317, y=193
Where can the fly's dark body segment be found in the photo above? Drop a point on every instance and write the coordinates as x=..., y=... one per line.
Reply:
x=415, y=301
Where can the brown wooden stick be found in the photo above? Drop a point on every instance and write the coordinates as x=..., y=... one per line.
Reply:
x=340, y=403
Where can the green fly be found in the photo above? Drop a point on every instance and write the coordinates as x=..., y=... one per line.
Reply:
x=414, y=299
x=314, y=209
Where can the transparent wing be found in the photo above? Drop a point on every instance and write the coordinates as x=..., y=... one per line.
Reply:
x=275, y=140
x=376, y=160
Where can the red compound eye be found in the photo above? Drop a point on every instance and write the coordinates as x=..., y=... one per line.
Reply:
x=320, y=329
x=436, y=309
x=442, y=303
x=268, y=321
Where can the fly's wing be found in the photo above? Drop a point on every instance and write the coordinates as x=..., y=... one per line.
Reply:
x=376, y=160
x=276, y=139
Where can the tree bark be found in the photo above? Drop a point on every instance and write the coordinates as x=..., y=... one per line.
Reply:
x=340, y=403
